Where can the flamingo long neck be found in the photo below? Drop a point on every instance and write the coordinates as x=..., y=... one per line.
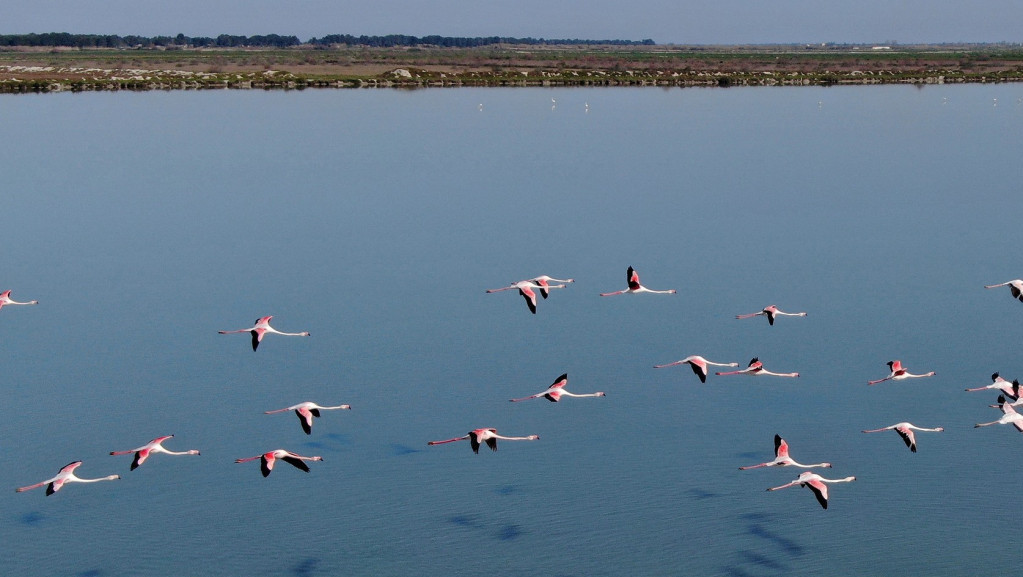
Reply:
x=74, y=479
x=568, y=394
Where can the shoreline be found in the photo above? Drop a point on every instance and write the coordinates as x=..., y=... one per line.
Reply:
x=60, y=70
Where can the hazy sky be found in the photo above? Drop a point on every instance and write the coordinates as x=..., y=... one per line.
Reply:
x=664, y=21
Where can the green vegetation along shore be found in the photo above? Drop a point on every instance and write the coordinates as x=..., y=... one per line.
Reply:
x=51, y=69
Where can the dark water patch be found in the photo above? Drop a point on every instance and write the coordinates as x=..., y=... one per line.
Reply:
x=464, y=520
x=509, y=532
x=32, y=518
x=505, y=490
x=788, y=545
x=737, y=572
x=702, y=494
x=399, y=450
x=305, y=567
x=764, y=561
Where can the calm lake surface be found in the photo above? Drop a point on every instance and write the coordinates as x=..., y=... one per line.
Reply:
x=376, y=219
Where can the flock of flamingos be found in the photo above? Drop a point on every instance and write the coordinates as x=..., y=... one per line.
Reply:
x=528, y=289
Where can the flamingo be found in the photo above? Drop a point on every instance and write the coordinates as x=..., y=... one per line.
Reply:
x=557, y=390
x=816, y=483
x=261, y=328
x=997, y=382
x=699, y=365
x=757, y=368
x=545, y=286
x=268, y=459
x=898, y=373
x=5, y=299
x=306, y=411
x=1009, y=415
x=771, y=312
x=66, y=475
x=489, y=436
x=782, y=458
x=1015, y=287
x=634, y=287
x=1015, y=395
x=155, y=446
x=526, y=290
x=905, y=430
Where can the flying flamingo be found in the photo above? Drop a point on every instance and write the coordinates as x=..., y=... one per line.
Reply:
x=155, y=446
x=526, y=290
x=699, y=365
x=1009, y=415
x=261, y=328
x=5, y=299
x=1015, y=395
x=997, y=382
x=782, y=458
x=557, y=390
x=545, y=286
x=489, y=436
x=771, y=312
x=1015, y=287
x=268, y=459
x=905, y=430
x=816, y=483
x=66, y=475
x=899, y=373
x=756, y=368
x=306, y=411
x=634, y=287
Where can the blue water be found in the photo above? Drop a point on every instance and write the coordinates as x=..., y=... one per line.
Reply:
x=146, y=222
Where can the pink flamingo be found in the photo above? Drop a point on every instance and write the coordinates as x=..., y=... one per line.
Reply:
x=155, y=446
x=526, y=290
x=634, y=287
x=489, y=436
x=261, y=328
x=699, y=365
x=756, y=368
x=905, y=430
x=1015, y=395
x=771, y=312
x=815, y=483
x=782, y=458
x=268, y=459
x=5, y=299
x=66, y=475
x=1015, y=287
x=557, y=390
x=545, y=286
x=1009, y=415
x=997, y=382
x=898, y=373
x=306, y=411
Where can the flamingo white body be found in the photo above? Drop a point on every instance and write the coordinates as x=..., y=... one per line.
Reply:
x=306, y=411
x=698, y=364
x=477, y=437
x=527, y=289
x=5, y=299
x=770, y=312
x=898, y=373
x=545, y=283
x=635, y=287
x=782, y=458
x=1009, y=416
x=557, y=390
x=756, y=368
x=1015, y=287
x=815, y=483
x=65, y=476
x=1000, y=384
x=262, y=328
x=152, y=447
x=905, y=430
x=268, y=459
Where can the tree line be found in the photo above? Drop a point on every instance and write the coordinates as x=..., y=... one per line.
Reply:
x=64, y=39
